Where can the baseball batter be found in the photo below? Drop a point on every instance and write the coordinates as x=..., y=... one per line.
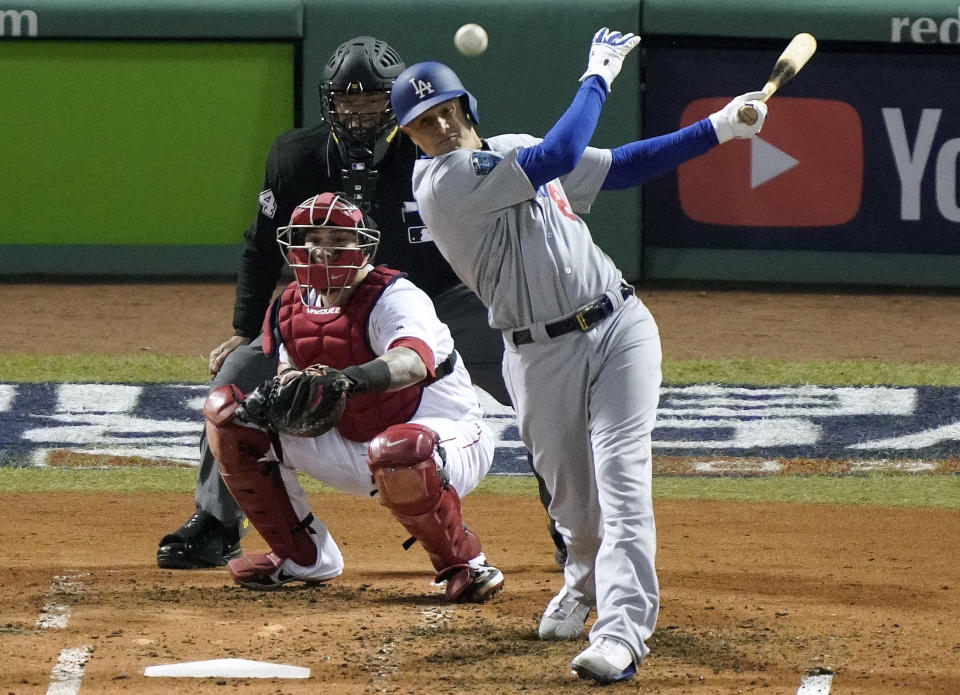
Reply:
x=394, y=418
x=582, y=359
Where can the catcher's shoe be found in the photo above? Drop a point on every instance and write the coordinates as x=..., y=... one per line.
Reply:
x=201, y=542
x=466, y=584
x=564, y=618
x=607, y=660
x=268, y=572
x=484, y=583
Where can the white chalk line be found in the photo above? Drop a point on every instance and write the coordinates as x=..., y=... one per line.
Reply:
x=815, y=684
x=66, y=676
x=55, y=614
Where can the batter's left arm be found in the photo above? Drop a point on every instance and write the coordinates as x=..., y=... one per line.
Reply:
x=644, y=160
x=561, y=148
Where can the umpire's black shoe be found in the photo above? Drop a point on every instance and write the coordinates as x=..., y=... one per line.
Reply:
x=201, y=542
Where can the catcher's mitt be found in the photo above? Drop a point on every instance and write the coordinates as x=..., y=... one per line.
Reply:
x=305, y=405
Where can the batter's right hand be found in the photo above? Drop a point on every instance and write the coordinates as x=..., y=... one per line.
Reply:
x=219, y=353
x=727, y=124
x=607, y=51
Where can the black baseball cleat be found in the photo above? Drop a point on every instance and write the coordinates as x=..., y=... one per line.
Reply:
x=200, y=543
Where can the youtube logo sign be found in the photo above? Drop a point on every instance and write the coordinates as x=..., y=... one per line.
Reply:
x=804, y=169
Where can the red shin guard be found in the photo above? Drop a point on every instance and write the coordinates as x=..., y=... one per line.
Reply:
x=256, y=485
x=411, y=487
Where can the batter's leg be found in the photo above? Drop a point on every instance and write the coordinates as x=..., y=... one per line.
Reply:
x=481, y=348
x=623, y=405
x=212, y=535
x=561, y=453
x=560, y=545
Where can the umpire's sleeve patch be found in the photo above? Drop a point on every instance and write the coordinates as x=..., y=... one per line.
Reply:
x=268, y=204
x=484, y=162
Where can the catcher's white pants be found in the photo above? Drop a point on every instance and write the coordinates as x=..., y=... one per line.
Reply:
x=468, y=445
x=342, y=464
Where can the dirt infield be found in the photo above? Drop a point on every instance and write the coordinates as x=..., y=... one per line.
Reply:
x=754, y=596
x=190, y=319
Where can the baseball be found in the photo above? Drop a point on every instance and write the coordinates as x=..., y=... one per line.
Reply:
x=471, y=39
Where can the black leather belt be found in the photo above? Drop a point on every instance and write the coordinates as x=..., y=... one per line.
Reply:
x=585, y=319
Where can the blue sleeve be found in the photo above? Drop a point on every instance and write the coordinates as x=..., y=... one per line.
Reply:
x=561, y=148
x=643, y=160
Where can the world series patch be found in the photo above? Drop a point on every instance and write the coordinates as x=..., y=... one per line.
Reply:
x=484, y=162
x=725, y=428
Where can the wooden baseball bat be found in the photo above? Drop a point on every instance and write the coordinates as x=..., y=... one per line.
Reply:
x=793, y=58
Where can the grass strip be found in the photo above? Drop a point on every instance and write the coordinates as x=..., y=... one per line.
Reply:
x=874, y=489
x=824, y=373
x=108, y=369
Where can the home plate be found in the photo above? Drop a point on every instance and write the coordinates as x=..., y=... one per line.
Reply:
x=226, y=668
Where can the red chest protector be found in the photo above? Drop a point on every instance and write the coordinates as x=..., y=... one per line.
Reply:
x=337, y=337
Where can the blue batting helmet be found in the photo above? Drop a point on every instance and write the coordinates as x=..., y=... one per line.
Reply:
x=423, y=86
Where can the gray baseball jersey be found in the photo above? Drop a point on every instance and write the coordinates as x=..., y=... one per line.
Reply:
x=525, y=253
x=586, y=400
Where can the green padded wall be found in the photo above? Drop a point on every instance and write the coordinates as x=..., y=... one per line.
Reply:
x=153, y=19
x=112, y=149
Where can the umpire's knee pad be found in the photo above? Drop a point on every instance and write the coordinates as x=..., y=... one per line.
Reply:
x=406, y=462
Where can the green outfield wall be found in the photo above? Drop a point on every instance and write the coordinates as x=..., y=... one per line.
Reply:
x=134, y=134
x=880, y=21
x=152, y=19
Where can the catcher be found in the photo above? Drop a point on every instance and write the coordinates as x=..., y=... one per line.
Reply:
x=370, y=398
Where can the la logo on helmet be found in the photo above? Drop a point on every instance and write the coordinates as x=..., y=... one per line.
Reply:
x=421, y=88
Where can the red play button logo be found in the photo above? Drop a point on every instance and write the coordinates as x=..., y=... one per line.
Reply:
x=804, y=169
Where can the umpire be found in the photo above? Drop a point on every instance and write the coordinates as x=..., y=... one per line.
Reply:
x=358, y=149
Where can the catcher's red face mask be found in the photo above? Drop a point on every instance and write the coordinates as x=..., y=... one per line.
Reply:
x=326, y=243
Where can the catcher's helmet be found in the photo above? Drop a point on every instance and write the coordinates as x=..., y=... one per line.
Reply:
x=327, y=242
x=361, y=66
x=423, y=86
